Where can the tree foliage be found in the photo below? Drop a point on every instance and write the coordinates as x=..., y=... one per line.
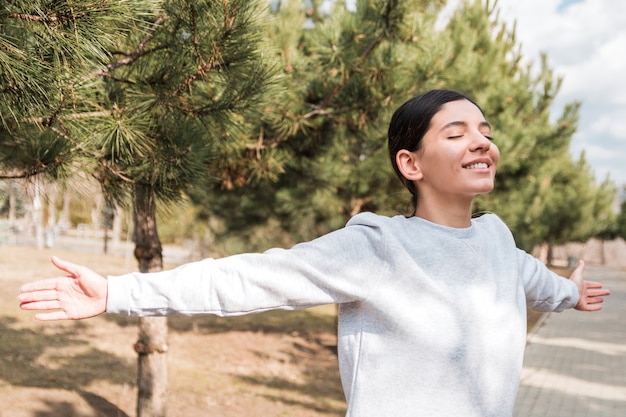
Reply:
x=621, y=219
x=345, y=69
x=145, y=96
x=47, y=49
x=349, y=69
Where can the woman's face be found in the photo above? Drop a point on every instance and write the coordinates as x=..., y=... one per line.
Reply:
x=457, y=156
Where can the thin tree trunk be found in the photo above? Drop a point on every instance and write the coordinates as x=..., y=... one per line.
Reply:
x=602, y=252
x=64, y=218
x=52, y=192
x=152, y=344
x=12, y=203
x=37, y=214
x=550, y=258
x=116, y=229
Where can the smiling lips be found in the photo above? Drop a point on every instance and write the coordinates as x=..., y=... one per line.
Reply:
x=477, y=165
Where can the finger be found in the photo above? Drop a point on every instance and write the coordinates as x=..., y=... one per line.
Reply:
x=598, y=293
x=70, y=268
x=581, y=266
x=41, y=295
x=41, y=285
x=55, y=315
x=41, y=305
x=577, y=273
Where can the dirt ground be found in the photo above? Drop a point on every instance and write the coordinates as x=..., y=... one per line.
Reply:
x=270, y=364
x=274, y=364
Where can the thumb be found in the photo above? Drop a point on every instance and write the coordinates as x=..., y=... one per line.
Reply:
x=72, y=269
x=577, y=274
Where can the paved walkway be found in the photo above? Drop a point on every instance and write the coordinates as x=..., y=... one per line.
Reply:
x=575, y=363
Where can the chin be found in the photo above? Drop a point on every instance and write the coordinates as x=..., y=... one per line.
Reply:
x=485, y=190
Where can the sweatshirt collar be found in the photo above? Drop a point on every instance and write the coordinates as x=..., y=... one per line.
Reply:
x=458, y=232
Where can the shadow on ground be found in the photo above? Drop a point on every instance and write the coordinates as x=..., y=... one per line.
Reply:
x=41, y=360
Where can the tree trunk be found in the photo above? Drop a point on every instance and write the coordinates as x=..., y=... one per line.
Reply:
x=12, y=203
x=52, y=192
x=550, y=257
x=152, y=344
x=37, y=214
x=64, y=218
x=116, y=228
x=602, y=252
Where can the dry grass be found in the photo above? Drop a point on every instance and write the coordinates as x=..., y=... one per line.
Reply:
x=270, y=364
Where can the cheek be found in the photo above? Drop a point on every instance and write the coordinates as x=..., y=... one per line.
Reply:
x=495, y=154
x=443, y=161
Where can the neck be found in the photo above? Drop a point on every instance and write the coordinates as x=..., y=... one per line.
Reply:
x=456, y=213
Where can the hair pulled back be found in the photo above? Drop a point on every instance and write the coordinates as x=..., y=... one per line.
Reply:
x=411, y=121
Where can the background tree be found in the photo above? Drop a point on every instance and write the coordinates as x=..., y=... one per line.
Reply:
x=537, y=178
x=621, y=219
x=349, y=70
x=572, y=207
x=605, y=226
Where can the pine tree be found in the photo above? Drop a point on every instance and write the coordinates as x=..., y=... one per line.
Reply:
x=537, y=178
x=621, y=219
x=173, y=111
x=349, y=70
x=150, y=97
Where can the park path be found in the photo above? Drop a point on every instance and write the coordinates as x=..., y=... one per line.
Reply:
x=575, y=362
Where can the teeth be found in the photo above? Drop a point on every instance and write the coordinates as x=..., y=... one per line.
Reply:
x=481, y=165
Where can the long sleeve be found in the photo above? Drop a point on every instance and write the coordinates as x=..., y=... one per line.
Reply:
x=336, y=268
x=545, y=290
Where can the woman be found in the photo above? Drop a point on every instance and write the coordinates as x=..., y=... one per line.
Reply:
x=432, y=307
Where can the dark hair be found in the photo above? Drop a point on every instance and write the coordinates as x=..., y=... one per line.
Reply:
x=411, y=121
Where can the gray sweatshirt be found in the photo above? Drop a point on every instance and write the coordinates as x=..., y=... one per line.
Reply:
x=432, y=319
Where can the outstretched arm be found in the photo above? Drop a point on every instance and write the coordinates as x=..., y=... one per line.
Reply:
x=591, y=293
x=79, y=295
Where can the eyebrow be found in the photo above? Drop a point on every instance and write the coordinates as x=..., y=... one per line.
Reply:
x=461, y=123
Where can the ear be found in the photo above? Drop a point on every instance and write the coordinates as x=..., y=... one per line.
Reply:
x=408, y=164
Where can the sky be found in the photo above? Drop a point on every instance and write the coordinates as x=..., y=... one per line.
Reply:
x=585, y=43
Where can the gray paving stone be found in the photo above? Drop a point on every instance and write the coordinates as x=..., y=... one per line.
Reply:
x=575, y=362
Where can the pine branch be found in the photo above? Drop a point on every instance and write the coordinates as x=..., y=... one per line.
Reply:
x=366, y=53
x=347, y=78
x=277, y=140
x=320, y=111
x=139, y=51
x=116, y=173
x=206, y=66
x=43, y=19
x=40, y=121
x=26, y=174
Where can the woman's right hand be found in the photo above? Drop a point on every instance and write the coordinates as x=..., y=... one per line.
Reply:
x=79, y=295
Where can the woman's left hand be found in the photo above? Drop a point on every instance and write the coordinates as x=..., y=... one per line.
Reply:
x=590, y=293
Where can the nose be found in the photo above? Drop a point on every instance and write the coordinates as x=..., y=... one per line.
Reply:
x=479, y=142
